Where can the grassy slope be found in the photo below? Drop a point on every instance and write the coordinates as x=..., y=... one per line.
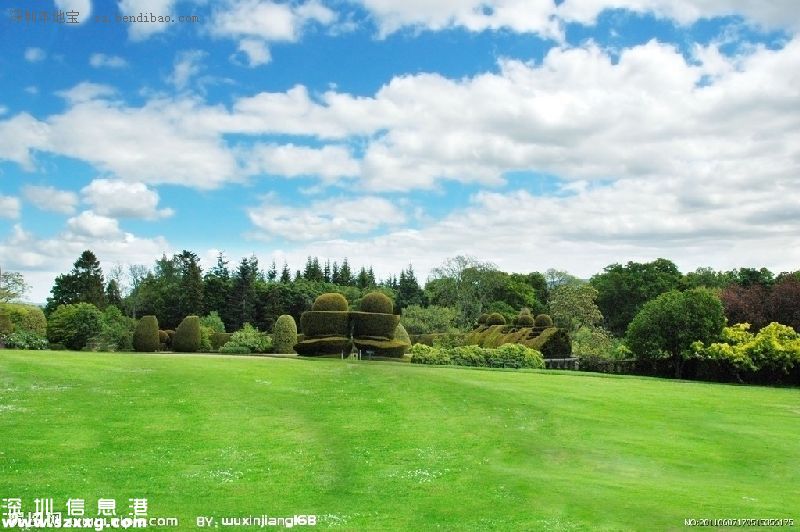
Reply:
x=393, y=446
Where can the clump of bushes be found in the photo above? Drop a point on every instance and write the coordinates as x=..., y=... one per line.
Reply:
x=23, y=340
x=482, y=319
x=506, y=356
x=250, y=338
x=147, y=338
x=284, y=334
x=187, y=335
x=74, y=325
x=28, y=318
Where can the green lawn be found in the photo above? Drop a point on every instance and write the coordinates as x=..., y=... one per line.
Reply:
x=387, y=446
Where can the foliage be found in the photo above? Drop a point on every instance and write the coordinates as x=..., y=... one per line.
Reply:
x=12, y=286
x=219, y=339
x=746, y=304
x=496, y=318
x=234, y=350
x=23, y=340
x=213, y=322
x=622, y=290
x=29, y=318
x=596, y=343
x=447, y=340
x=668, y=325
x=553, y=342
x=409, y=292
x=515, y=356
x=116, y=333
x=427, y=320
x=74, y=324
x=573, y=306
x=187, y=336
x=325, y=323
x=482, y=318
x=543, y=320
x=774, y=348
x=84, y=284
x=6, y=325
x=251, y=338
x=374, y=325
x=376, y=302
x=506, y=356
x=284, y=334
x=330, y=302
x=146, y=337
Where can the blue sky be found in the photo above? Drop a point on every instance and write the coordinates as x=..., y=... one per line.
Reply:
x=529, y=133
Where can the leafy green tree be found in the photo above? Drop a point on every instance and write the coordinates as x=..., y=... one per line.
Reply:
x=465, y=284
x=74, y=324
x=573, y=306
x=83, y=284
x=25, y=318
x=622, y=290
x=12, y=286
x=708, y=278
x=213, y=322
x=427, y=320
x=668, y=325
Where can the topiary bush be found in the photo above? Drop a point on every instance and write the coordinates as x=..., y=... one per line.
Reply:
x=187, y=335
x=369, y=325
x=525, y=320
x=323, y=346
x=378, y=303
x=325, y=323
x=284, y=335
x=394, y=348
x=552, y=343
x=330, y=302
x=146, y=337
x=495, y=318
x=543, y=320
x=482, y=319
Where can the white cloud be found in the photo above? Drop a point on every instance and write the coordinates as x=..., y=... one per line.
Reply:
x=328, y=162
x=34, y=55
x=86, y=91
x=51, y=199
x=98, y=60
x=139, y=31
x=256, y=52
x=20, y=135
x=325, y=219
x=9, y=207
x=33, y=90
x=119, y=199
x=83, y=7
x=90, y=225
x=188, y=64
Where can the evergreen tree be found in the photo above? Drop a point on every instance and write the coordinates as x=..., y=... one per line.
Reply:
x=83, y=284
x=216, y=286
x=113, y=295
x=242, y=299
x=371, y=277
x=272, y=273
x=345, y=275
x=191, y=284
x=286, y=275
x=362, y=279
x=335, y=273
x=408, y=290
x=326, y=271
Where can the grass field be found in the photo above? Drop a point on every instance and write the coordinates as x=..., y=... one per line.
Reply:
x=386, y=446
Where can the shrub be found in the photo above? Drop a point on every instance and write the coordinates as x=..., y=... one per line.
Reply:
x=213, y=322
x=147, y=337
x=234, y=350
x=250, y=337
x=219, y=339
x=73, y=325
x=24, y=317
x=552, y=343
x=482, y=319
x=116, y=333
x=373, y=325
x=449, y=340
x=469, y=355
x=205, y=339
x=543, y=320
x=163, y=337
x=330, y=302
x=187, y=335
x=378, y=303
x=170, y=336
x=430, y=356
x=284, y=334
x=24, y=340
x=325, y=323
x=6, y=326
x=495, y=318
x=516, y=356
x=525, y=320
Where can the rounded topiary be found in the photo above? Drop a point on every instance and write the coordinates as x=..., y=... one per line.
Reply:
x=284, y=334
x=146, y=336
x=378, y=303
x=543, y=320
x=482, y=319
x=495, y=318
x=330, y=302
x=316, y=323
x=187, y=335
x=525, y=320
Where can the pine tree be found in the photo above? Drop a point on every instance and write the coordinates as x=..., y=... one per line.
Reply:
x=326, y=271
x=242, y=299
x=408, y=290
x=272, y=273
x=286, y=274
x=362, y=280
x=83, y=284
x=216, y=286
x=113, y=295
x=345, y=275
x=191, y=284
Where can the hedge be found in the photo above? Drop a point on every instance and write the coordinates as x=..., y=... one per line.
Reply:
x=506, y=356
x=330, y=302
x=284, y=335
x=374, y=324
x=323, y=346
x=553, y=343
x=325, y=323
x=394, y=348
x=495, y=318
x=187, y=335
x=146, y=335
